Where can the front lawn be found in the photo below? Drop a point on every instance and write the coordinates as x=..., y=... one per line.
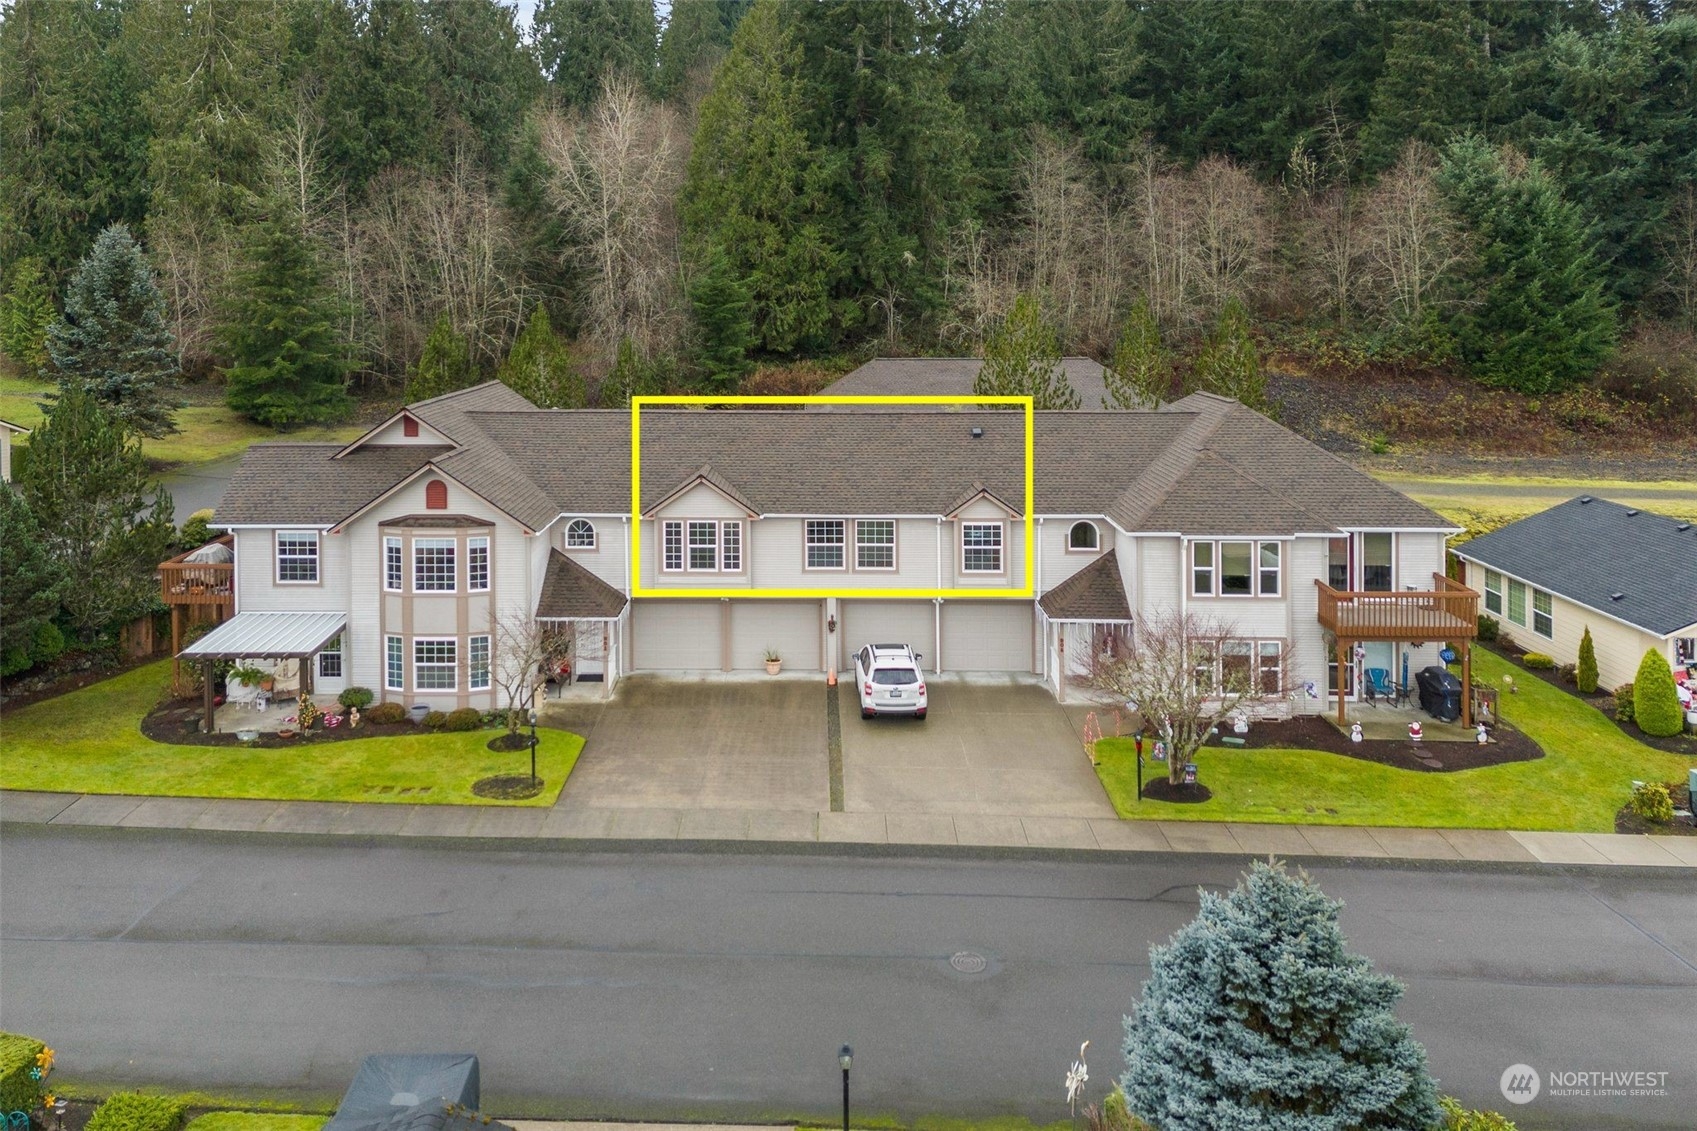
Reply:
x=1584, y=777
x=256, y=1121
x=90, y=741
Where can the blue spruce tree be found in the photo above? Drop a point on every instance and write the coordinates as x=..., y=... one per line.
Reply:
x=1255, y=1018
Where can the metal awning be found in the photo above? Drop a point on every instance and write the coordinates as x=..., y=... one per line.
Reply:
x=268, y=636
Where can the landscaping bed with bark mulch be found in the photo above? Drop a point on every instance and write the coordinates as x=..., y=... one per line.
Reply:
x=178, y=722
x=1308, y=732
x=1626, y=821
x=1602, y=699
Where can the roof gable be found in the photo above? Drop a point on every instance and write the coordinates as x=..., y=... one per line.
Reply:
x=571, y=592
x=1094, y=593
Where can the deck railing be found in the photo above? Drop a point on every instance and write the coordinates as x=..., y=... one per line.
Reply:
x=197, y=583
x=1447, y=611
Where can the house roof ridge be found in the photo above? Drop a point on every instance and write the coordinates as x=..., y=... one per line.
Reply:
x=1086, y=584
x=440, y=397
x=1166, y=470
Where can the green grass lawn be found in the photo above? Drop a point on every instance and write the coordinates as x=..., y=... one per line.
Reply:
x=1584, y=777
x=256, y=1121
x=90, y=741
x=206, y=432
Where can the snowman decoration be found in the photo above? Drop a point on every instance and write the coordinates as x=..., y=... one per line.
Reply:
x=1482, y=738
x=1415, y=734
x=1355, y=732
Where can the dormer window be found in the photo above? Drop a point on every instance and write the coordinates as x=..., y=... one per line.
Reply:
x=580, y=534
x=436, y=495
x=981, y=547
x=1084, y=537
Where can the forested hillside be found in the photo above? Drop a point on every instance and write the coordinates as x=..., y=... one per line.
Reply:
x=1504, y=191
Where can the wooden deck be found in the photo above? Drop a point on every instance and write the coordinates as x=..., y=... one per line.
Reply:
x=1448, y=612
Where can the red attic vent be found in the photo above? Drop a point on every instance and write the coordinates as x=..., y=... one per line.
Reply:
x=436, y=495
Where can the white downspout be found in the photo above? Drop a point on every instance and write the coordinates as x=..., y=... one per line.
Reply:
x=937, y=608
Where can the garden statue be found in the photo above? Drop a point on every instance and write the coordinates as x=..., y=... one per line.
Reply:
x=353, y=718
x=1355, y=732
x=1415, y=734
x=1483, y=737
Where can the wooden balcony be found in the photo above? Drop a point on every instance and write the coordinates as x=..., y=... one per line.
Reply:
x=1449, y=611
x=197, y=584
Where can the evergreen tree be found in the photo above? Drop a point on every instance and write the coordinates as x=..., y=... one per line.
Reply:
x=1655, y=702
x=86, y=483
x=444, y=366
x=697, y=35
x=539, y=366
x=723, y=322
x=628, y=378
x=485, y=74
x=1140, y=374
x=30, y=585
x=1023, y=358
x=1255, y=1016
x=580, y=41
x=1540, y=321
x=112, y=340
x=1229, y=364
x=1585, y=674
x=288, y=364
x=26, y=310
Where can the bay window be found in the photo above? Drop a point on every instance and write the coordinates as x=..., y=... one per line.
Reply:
x=477, y=564
x=477, y=663
x=435, y=663
x=394, y=567
x=394, y=664
x=433, y=565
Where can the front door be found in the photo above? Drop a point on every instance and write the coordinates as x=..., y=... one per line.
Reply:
x=589, y=656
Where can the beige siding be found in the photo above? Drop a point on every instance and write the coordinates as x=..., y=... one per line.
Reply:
x=395, y=434
x=1305, y=658
x=608, y=560
x=778, y=554
x=1159, y=575
x=5, y=455
x=1619, y=647
x=1013, y=549
x=701, y=501
x=257, y=588
x=791, y=628
x=1059, y=563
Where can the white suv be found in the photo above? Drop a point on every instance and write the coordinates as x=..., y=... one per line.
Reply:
x=889, y=680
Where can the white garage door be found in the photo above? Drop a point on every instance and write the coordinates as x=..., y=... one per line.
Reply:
x=789, y=628
x=987, y=636
x=885, y=622
x=675, y=634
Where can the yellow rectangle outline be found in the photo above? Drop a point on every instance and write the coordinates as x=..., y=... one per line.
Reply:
x=639, y=590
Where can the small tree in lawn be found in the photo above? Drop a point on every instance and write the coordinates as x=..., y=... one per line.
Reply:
x=1141, y=372
x=1255, y=1018
x=1655, y=703
x=1022, y=357
x=1185, y=675
x=1585, y=675
x=524, y=652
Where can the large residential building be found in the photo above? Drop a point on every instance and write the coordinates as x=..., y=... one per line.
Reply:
x=388, y=562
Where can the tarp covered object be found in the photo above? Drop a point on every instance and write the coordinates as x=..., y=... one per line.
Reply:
x=398, y=1091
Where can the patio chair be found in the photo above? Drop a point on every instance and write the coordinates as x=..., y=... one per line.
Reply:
x=1379, y=686
x=286, y=680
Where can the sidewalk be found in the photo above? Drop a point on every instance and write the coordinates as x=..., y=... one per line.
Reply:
x=907, y=829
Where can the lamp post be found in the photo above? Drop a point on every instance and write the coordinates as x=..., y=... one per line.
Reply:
x=845, y=1058
x=533, y=746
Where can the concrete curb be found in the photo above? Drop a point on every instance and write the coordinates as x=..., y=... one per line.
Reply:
x=842, y=830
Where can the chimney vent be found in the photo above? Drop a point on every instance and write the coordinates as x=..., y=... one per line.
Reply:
x=978, y=433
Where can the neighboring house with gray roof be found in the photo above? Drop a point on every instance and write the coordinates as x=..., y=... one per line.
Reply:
x=955, y=377
x=807, y=533
x=1627, y=574
x=7, y=431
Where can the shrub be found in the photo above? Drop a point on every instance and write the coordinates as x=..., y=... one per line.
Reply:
x=1623, y=703
x=360, y=697
x=1458, y=1118
x=466, y=718
x=1655, y=703
x=435, y=720
x=132, y=1111
x=1652, y=801
x=1488, y=627
x=17, y=1056
x=1585, y=675
x=387, y=713
x=1538, y=661
x=196, y=533
x=1569, y=673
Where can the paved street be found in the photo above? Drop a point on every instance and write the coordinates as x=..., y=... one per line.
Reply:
x=719, y=986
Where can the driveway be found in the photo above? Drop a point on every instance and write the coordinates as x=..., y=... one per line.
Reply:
x=989, y=746
x=711, y=742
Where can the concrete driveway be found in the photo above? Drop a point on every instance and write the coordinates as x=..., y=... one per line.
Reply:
x=711, y=742
x=989, y=746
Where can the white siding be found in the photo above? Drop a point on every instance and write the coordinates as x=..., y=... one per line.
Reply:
x=395, y=434
x=791, y=628
x=778, y=550
x=1418, y=557
x=1158, y=577
x=608, y=560
x=672, y=634
x=988, y=636
x=1059, y=563
x=887, y=622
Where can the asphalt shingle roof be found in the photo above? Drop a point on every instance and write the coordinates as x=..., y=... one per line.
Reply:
x=953, y=377
x=570, y=591
x=1589, y=551
x=1094, y=593
x=303, y=483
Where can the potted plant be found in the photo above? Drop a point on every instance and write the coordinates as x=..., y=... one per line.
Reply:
x=773, y=662
x=249, y=675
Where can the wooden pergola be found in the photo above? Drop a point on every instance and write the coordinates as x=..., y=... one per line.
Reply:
x=1449, y=611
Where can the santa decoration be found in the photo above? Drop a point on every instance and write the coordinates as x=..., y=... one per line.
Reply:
x=1415, y=734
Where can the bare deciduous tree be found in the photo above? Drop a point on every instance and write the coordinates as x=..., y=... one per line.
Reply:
x=524, y=652
x=1678, y=245
x=1232, y=232
x=1333, y=257
x=1185, y=675
x=617, y=170
x=1412, y=239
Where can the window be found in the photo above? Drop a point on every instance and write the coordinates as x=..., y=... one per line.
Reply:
x=1236, y=660
x=394, y=663
x=394, y=568
x=1236, y=579
x=825, y=543
x=672, y=546
x=330, y=660
x=433, y=565
x=1202, y=569
x=730, y=546
x=1493, y=592
x=981, y=547
x=477, y=564
x=1376, y=563
x=580, y=534
x=703, y=545
x=1543, y=621
x=434, y=660
x=875, y=543
x=1084, y=536
x=477, y=663
x=1517, y=602
x=1337, y=564
x=1207, y=675
x=436, y=495
x=1272, y=672
x=1269, y=579
x=297, y=557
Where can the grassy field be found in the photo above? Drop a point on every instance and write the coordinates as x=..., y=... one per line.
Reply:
x=1585, y=776
x=207, y=432
x=90, y=741
x=256, y=1121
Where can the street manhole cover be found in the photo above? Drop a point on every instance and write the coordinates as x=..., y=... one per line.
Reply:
x=968, y=962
